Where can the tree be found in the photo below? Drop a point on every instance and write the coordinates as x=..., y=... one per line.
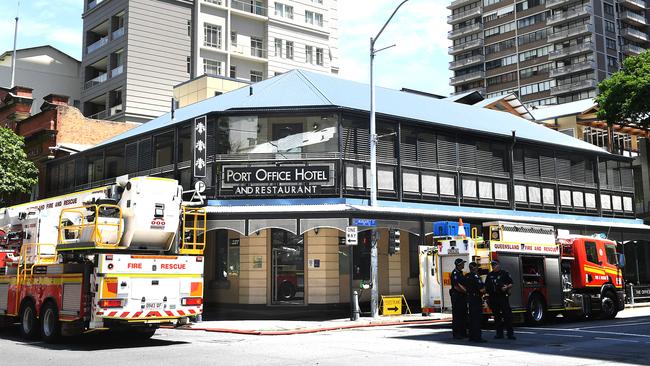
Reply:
x=17, y=173
x=625, y=96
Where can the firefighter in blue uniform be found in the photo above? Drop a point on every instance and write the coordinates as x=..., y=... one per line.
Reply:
x=458, y=293
x=475, y=290
x=498, y=284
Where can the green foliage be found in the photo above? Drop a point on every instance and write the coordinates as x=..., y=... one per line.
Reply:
x=625, y=96
x=17, y=173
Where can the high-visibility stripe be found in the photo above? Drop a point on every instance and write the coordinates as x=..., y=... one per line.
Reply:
x=150, y=275
x=124, y=315
x=112, y=313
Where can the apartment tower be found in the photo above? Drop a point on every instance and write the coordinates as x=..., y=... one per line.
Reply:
x=548, y=51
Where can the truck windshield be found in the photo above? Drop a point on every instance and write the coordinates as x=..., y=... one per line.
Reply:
x=610, y=251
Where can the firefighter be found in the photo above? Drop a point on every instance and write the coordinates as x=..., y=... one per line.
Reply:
x=458, y=293
x=498, y=284
x=475, y=290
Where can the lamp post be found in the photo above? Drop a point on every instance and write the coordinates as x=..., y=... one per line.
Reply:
x=374, y=294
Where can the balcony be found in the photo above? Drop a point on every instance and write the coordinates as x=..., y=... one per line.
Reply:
x=633, y=18
x=550, y=4
x=248, y=7
x=117, y=71
x=118, y=33
x=457, y=18
x=99, y=115
x=457, y=3
x=117, y=109
x=215, y=2
x=247, y=51
x=95, y=81
x=97, y=45
x=570, y=69
x=635, y=35
x=467, y=77
x=632, y=50
x=466, y=46
x=634, y=4
x=465, y=30
x=570, y=51
x=479, y=89
x=93, y=4
x=570, y=33
x=477, y=59
x=574, y=87
x=569, y=15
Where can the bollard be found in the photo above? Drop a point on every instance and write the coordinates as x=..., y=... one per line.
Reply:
x=356, y=311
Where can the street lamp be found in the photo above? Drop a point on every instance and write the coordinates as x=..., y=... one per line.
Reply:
x=374, y=294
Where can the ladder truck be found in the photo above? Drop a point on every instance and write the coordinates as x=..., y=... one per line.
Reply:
x=126, y=257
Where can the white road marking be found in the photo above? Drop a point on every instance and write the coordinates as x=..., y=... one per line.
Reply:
x=616, y=339
x=563, y=335
x=613, y=325
x=595, y=331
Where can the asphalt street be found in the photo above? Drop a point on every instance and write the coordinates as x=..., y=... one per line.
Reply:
x=624, y=340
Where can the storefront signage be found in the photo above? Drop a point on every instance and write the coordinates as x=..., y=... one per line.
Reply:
x=199, y=141
x=364, y=222
x=276, y=174
x=551, y=249
x=641, y=291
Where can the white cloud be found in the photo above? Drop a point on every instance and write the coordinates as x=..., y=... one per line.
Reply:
x=419, y=31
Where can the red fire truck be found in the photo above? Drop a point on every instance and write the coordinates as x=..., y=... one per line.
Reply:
x=555, y=273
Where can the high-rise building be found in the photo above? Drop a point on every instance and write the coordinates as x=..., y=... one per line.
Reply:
x=548, y=51
x=136, y=51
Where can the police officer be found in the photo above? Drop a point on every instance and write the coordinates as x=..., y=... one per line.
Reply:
x=498, y=284
x=475, y=289
x=458, y=294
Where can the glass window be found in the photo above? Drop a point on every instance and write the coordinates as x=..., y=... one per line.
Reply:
x=410, y=181
x=277, y=135
x=278, y=47
x=610, y=252
x=606, y=201
x=447, y=185
x=616, y=203
x=95, y=167
x=469, y=188
x=361, y=257
x=578, y=199
x=184, y=144
x=212, y=35
x=590, y=200
x=485, y=190
x=565, y=198
x=115, y=161
x=309, y=54
x=429, y=183
x=319, y=56
x=211, y=67
x=591, y=251
x=385, y=179
x=520, y=193
x=164, y=149
x=256, y=76
x=609, y=26
x=501, y=191
x=627, y=204
x=289, y=50
x=534, y=195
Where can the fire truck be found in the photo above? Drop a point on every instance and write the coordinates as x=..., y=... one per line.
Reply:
x=553, y=272
x=127, y=257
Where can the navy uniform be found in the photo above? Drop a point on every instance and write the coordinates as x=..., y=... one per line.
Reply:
x=458, y=301
x=475, y=287
x=498, y=284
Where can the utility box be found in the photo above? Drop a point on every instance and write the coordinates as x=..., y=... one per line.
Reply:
x=448, y=228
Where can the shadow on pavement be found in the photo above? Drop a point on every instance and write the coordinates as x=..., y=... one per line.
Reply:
x=550, y=339
x=94, y=341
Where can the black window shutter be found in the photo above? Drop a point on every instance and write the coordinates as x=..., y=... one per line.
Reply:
x=427, y=154
x=131, y=164
x=447, y=150
x=144, y=154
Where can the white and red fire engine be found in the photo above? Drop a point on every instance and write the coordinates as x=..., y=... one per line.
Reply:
x=553, y=272
x=126, y=257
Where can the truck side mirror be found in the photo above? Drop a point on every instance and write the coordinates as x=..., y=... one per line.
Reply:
x=621, y=260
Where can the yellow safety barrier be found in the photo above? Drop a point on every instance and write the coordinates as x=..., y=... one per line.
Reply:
x=194, y=229
x=32, y=255
x=98, y=235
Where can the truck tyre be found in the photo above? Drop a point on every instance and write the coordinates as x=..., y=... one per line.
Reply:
x=29, y=327
x=536, y=311
x=50, y=324
x=608, y=306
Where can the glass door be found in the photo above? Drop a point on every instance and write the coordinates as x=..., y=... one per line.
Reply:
x=287, y=268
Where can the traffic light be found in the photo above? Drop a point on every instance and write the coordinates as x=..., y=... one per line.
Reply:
x=393, y=241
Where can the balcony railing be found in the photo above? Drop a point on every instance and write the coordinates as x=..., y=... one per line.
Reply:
x=99, y=115
x=246, y=6
x=250, y=51
x=569, y=14
x=635, y=34
x=102, y=41
x=466, y=62
x=569, y=33
x=571, y=87
x=570, y=69
x=555, y=3
x=568, y=51
x=457, y=3
x=454, y=18
x=479, y=89
x=634, y=4
x=633, y=18
x=630, y=49
x=216, y=2
x=466, y=46
x=115, y=110
x=118, y=33
x=117, y=71
x=467, y=77
x=465, y=30
x=95, y=81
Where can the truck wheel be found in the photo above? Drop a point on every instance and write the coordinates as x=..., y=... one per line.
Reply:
x=608, y=306
x=50, y=324
x=29, y=327
x=536, y=311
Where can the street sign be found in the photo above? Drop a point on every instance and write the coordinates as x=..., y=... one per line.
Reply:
x=199, y=186
x=392, y=305
x=351, y=235
x=364, y=222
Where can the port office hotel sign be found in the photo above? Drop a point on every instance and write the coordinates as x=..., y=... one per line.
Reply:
x=276, y=180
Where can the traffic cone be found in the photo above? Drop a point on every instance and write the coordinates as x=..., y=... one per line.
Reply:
x=461, y=228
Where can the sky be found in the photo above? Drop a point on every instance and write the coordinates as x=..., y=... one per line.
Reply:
x=419, y=30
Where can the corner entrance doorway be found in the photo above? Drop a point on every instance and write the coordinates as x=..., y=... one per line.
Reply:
x=287, y=268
